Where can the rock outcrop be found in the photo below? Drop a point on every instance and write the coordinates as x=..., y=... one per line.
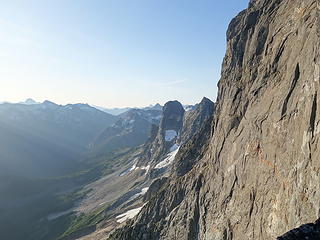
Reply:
x=258, y=175
x=172, y=116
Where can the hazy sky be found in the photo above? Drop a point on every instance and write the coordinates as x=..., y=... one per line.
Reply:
x=113, y=53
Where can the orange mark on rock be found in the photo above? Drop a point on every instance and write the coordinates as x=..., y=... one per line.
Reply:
x=271, y=165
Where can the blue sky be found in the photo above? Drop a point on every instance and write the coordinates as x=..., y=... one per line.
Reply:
x=113, y=53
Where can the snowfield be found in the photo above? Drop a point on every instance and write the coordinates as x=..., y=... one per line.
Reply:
x=174, y=147
x=143, y=192
x=170, y=157
x=147, y=168
x=170, y=135
x=128, y=170
x=133, y=168
x=128, y=215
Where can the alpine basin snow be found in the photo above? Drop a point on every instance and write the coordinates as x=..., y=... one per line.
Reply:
x=170, y=157
x=133, y=168
x=170, y=135
x=128, y=215
x=142, y=192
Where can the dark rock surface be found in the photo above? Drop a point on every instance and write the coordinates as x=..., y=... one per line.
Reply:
x=172, y=116
x=309, y=231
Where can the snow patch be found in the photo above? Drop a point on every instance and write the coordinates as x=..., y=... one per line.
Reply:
x=147, y=168
x=128, y=215
x=169, y=159
x=170, y=135
x=142, y=192
x=134, y=167
x=174, y=147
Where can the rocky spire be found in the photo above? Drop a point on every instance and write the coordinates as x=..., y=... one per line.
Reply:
x=172, y=116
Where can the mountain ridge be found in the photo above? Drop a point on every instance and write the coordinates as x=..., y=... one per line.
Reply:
x=57, y=134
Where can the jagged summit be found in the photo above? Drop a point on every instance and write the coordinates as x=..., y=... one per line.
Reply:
x=208, y=105
x=195, y=118
x=154, y=107
x=157, y=107
x=205, y=100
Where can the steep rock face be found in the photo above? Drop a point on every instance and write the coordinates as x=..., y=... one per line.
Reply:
x=259, y=176
x=194, y=119
x=194, y=136
x=172, y=116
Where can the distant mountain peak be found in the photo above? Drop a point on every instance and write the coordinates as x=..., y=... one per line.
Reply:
x=29, y=101
x=154, y=107
x=47, y=102
x=157, y=107
x=205, y=99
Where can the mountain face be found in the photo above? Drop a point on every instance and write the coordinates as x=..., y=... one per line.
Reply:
x=154, y=107
x=194, y=119
x=160, y=150
x=257, y=174
x=46, y=139
x=133, y=128
x=149, y=166
x=175, y=132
